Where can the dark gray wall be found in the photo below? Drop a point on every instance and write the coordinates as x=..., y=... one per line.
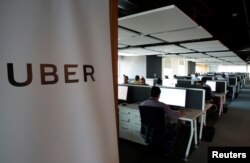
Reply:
x=191, y=67
x=154, y=66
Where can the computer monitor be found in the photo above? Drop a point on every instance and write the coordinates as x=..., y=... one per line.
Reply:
x=212, y=84
x=122, y=92
x=150, y=82
x=169, y=82
x=171, y=96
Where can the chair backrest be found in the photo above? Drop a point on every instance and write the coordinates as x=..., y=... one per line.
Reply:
x=153, y=124
x=208, y=96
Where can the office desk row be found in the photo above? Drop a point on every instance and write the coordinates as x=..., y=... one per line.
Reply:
x=130, y=124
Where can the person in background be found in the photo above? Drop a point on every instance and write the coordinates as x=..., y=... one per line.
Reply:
x=194, y=78
x=136, y=80
x=172, y=117
x=142, y=81
x=209, y=93
x=125, y=79
x=159, y=82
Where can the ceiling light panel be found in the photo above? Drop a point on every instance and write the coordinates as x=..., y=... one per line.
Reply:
x=123, y=34
x=194, y=55
x=169, y=49
x=183, y=35
x=222, y=54
x=205, y=46
x=158, y=20
x=141, y=40
x=140, y=51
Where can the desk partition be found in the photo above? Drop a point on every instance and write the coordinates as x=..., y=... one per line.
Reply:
x=195, y=98
x=232, y=80
x=221, y=86
x=137, y=93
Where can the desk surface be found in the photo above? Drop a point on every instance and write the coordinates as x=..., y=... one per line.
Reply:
x=208, y=106
x=189, y=114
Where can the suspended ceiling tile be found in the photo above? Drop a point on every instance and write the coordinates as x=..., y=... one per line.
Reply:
x=169, y=55
x=211, y=59
x=129, y=54
x=205, y=46
x=139, y=51
x=184, y=35
x=239, y=63
x=193, y=60
x=158, y=20
x=233, y=59
x=123, y=34
x=140, y=40
x=195, y=55
x=122, y=46
x=169, y=49
x=222, y=54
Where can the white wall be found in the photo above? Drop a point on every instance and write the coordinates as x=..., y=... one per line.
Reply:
x=174, y=66
x=132, y=66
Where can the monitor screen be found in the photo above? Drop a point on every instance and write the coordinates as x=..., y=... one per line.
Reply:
x=122, y=92
x=150, y=82
x=212, y=84
x=169, y=82
x=176, y=97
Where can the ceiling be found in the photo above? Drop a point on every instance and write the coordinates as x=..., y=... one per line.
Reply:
x=208, y=31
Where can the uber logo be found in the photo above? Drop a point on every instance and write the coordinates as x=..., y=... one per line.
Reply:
x=50, y=70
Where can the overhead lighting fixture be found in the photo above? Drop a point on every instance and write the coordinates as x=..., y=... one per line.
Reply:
x=245, y=50
x=126, y=5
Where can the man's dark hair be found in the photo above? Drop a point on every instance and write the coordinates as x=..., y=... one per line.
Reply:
x=204, y=79
x=159, y=81
x=155, y=91
x=137, y=77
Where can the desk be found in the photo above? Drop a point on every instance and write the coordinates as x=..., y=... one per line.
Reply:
x=203, y=118
x=131, y=132
x=232, y=90
x=222, y=97
x=191, y=115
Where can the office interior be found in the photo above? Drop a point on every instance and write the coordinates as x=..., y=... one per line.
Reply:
x=152, y=47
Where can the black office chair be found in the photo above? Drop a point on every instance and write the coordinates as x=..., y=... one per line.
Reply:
x=213, y=112
x=153, y=127
x=208, y=96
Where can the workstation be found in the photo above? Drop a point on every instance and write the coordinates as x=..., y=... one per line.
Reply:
x=192, y=101
x=150, y=47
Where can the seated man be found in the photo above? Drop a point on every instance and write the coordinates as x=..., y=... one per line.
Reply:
x=125, y=79
x=136, y=80
x=209, y=95
x=171, y=117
